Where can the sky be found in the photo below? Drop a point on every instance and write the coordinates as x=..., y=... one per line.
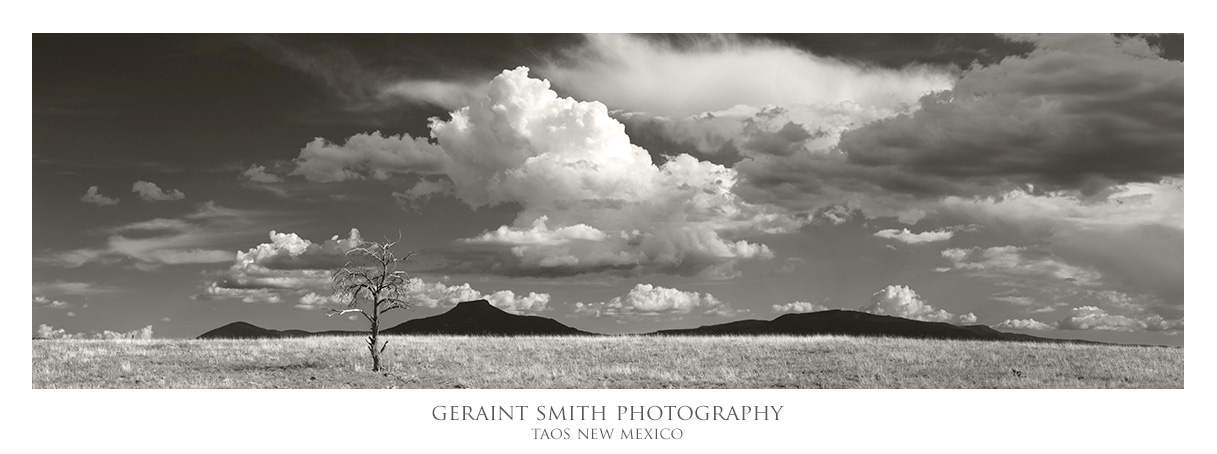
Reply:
x=615, y=183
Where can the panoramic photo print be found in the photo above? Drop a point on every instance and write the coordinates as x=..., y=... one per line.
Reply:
x=537, y=211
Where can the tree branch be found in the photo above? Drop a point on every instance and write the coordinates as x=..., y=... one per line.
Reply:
x=334, y=312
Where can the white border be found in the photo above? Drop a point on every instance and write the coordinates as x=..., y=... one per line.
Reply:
x=815, y=421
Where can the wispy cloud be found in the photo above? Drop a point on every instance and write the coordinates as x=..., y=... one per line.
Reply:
x=907, y=237
x=1086, y=318
x=719, y=71
x=189, y=239
x=56, y=288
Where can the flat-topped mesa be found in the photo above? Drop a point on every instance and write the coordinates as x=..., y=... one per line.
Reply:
x=475, y=307
x=479, y=317
x=241, y=330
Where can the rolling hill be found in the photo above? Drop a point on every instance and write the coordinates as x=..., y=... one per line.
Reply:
x=480, y=318
x=467, y=318
x=854, y=323
x=244, y=330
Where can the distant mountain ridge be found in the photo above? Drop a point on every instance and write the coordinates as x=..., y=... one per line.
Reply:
x=245, y=330
x=468, y=318
x=854, y=323
x=480, y=318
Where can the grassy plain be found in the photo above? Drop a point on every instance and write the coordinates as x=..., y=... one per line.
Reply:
x=601, y=362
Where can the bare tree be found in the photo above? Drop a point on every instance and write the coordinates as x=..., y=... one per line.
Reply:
x=370, y=280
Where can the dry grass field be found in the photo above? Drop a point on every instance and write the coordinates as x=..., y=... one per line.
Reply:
x=601, y=362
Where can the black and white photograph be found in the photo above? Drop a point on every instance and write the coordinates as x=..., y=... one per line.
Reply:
x=608, y=211
x=763, y=215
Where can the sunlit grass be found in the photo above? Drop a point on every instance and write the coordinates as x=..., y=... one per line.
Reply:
x=601, y=362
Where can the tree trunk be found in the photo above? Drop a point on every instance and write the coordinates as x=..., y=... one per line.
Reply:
x=374, y=345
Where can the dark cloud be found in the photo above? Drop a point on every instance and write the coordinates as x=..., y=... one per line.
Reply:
x=785, y=141
x=1077, y=113
x=811, y=182
x=1169, y=45
x=382, y=74
x=701, y=137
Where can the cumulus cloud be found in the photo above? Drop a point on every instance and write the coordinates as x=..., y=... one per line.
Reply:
x=902, y=301
x=1096, y=318
x=798, y=307
x=834, y=214
x=510, y=302
x=1158, y=323
x=152, y=193
x=288, y=262
x=163, y=241
x=653, y=300
x=368, y=155
x=717, y=72
x=49, y=332
x=1090, y=317
x=908, y=237
x=967, y=319
x=257, y=173
x=95, y=197
x=142, y=333
x=288, y=251
x=292, y=267
x=1023, y=324
x=571, y=164
x=49, y=303
x=441, y=295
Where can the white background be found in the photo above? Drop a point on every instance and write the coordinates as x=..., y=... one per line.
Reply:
x=990, y=421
